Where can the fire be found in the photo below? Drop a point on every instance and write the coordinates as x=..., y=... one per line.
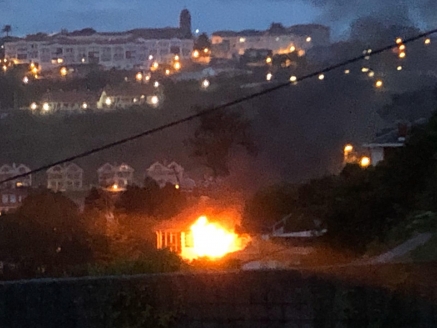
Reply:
x=212, y=240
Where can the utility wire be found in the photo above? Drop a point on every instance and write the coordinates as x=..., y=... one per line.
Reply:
x=220, y=107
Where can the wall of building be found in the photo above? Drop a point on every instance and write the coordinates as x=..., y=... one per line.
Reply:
x=237, y=299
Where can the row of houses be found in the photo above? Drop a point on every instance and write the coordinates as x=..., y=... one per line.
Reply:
x=70, y=176
x=121, y=97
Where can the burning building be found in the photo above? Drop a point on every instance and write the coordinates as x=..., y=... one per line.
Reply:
x=201, y=233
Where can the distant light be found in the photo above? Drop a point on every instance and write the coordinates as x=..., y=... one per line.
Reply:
x=135, y=100
x=348, y=148
x=197, y=31
x=402, y=47
x=177, y=66
x=365, y=69
x=60, y=60
x=367, y=57
x=321, y=77
x=292, y=48
x=269, y=76
x=176, y=57
x=108, y=101
x=45, y=107
x=347, y=71
x=25, y=80
x=268, y=60
x=428, y=41
x=369, y=51
x=35, y=70
x=308, y=39
x=139, y=77
x=196, y=54
x=33, y=106
x=177, y=186
x=115, y=187
x=371, y=74
x=379, y=84
x=167, y=72
x=402, y=55
x=206, y=84
x=242, y=40
x=365, y=162
x=154, y=100
x=83, y=60
x=32, y=65
x=147, y=77
x=155, y=65
x=156, y=84
x=84, y=105
x=5, y=68
x=64, y=71
x=399, y=68
x=399, y=41
x=150, y=57
x=293, y=78
x=206, y=50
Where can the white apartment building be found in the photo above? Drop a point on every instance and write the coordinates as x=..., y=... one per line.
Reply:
x=135, y=49
x=67, y=177
x=279, y=39
x=9, y=171
x=116, y=176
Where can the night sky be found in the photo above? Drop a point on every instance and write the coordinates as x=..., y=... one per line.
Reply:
x=114, y=15
x=49, y=16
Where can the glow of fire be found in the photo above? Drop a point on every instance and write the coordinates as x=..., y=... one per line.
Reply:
x=213, y=241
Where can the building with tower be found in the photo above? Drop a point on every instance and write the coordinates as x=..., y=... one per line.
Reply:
x=136, y=49
x=185, y=23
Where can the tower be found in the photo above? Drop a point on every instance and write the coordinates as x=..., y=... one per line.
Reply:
x=185, y=23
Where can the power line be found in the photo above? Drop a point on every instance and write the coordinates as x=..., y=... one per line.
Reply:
x=220, y=107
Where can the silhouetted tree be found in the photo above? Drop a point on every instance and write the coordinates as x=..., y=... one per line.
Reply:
x=46, y=236
x=7, y=29
x=202, y=42
x=217, y=135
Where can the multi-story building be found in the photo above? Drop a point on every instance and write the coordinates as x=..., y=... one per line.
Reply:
x=164, y=174
x=117, y=176
x=11, y=199
x=67, y=177
x=60, y=101
x=135, y=49
x=278, y=39
x=10, y=171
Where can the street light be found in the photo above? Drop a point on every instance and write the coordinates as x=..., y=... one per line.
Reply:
x=205, y=84
x=108, y=101
x=25, y=80
x=196, y=54
x=379, y=84
x=45, y=107
x=177, y=66
x=156, y=84
x=308, y=39
x=321, y=77
x=269, y=76
x=84, y=105
x=33, y=106
x=64, y=71
x=365, y=162
x=154, y=100
x=139, y=77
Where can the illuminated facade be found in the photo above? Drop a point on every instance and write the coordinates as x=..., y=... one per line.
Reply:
x=111, y=175
x=278, y=39
x=135, y=49
x=9, y=171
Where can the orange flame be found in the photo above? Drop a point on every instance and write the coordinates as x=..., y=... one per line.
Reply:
x=212, y=240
